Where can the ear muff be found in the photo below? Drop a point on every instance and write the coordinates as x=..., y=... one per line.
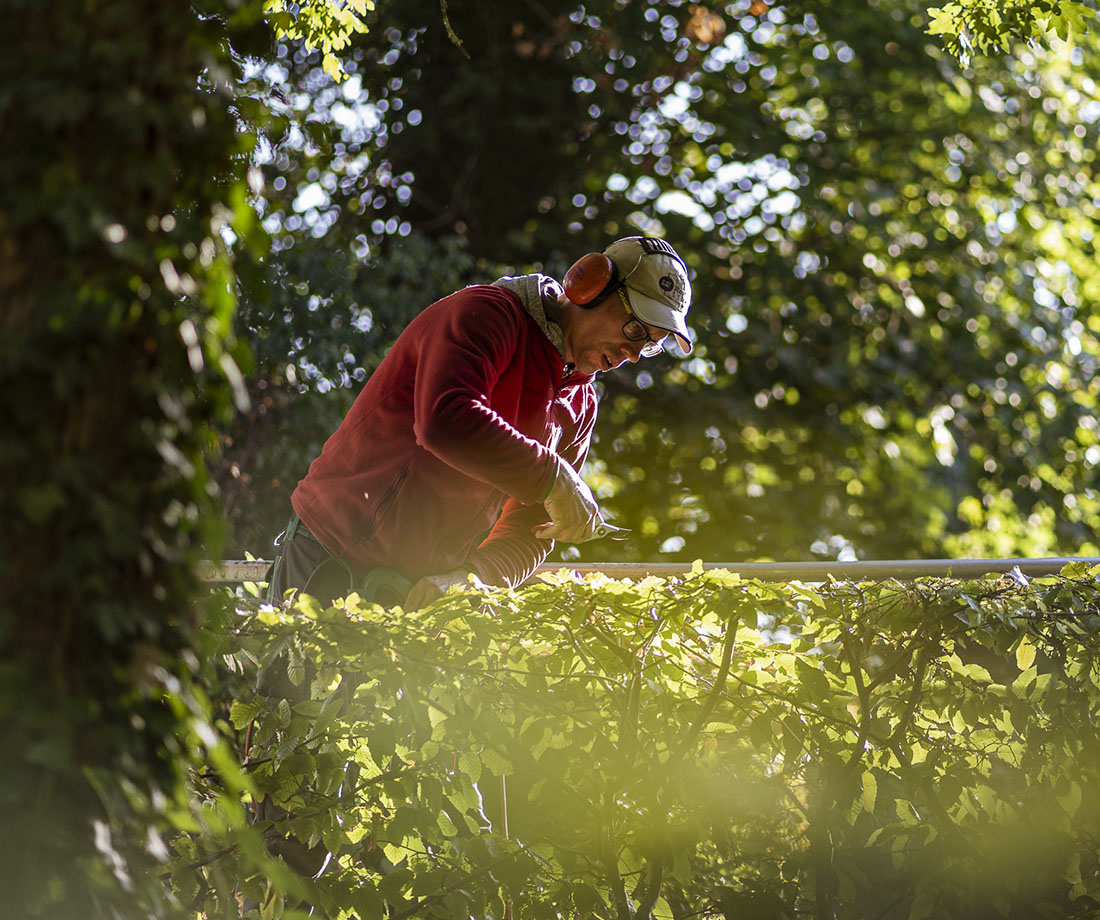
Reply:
x=590, y=278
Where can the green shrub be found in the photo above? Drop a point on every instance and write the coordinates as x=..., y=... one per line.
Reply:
x=705, y=746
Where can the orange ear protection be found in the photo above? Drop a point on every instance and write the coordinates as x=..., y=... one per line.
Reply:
x=589, y=278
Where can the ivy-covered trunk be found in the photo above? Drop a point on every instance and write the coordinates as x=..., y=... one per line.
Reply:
x=120, y=164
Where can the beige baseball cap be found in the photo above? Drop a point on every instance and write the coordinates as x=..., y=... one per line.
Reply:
x=660, y=291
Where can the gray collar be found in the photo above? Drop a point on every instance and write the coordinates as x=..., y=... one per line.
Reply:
x=536, y=292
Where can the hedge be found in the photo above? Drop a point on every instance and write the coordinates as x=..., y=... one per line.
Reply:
x=697, y=746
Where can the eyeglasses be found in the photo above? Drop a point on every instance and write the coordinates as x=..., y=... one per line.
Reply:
x=636, y=332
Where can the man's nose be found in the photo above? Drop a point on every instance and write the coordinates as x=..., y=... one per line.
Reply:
x=633, y=351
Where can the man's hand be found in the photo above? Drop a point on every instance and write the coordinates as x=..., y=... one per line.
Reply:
x=573, y=511
x=433, y=587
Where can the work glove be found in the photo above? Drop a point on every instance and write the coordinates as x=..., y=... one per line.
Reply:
x=574, y=514
x=432, y=587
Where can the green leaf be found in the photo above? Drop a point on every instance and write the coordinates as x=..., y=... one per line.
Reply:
x=367, y=901
x=813, y=680
x=942, y=22
x=1025, y=653
x=870, y=791
x=392, y=886
x=470, y=766
x=241, y=713
x=587, y=900
x=905, y=812
x=1071, y=799
x=295, y=666
x=495, y=762
x=978, y=673
x=282, y=713
x=1073, y=570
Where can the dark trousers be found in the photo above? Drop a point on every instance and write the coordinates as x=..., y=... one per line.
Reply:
x=304, y=564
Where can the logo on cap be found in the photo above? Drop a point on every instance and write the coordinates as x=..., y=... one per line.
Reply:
x=666, y=283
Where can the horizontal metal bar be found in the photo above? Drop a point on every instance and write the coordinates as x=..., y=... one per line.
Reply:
x=234, y=571
x=870, y=570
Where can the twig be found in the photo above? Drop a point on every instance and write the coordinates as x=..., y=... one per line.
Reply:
x=455, y=40
x=618, y=887
x=711, y=701
x=652, y=891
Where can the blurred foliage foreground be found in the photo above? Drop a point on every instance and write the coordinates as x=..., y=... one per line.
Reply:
x=673, y=748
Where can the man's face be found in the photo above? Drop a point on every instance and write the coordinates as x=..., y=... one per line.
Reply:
x=595, y=339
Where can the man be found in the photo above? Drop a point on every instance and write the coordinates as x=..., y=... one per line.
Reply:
x=460, y=455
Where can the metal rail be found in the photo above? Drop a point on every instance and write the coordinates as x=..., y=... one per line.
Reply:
x=873, y=570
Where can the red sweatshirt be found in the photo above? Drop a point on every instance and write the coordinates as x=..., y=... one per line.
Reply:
x=457, y=424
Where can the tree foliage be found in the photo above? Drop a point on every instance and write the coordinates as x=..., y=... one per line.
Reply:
x=320, y=25
x=704, y=746
x=969, y=26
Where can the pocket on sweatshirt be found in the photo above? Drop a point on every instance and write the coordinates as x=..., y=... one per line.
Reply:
x=382, y=509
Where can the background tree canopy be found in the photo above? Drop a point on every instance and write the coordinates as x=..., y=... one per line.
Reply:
x=894, y=261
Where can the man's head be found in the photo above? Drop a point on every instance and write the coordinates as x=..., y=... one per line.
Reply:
x=622, y=304
x=650, y=273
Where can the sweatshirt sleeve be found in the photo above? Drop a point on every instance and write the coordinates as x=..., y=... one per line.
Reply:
x=510, y=553
x=462, y=351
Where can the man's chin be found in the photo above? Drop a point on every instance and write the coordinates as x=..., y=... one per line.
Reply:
x=587, y=367
x=597, y=363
